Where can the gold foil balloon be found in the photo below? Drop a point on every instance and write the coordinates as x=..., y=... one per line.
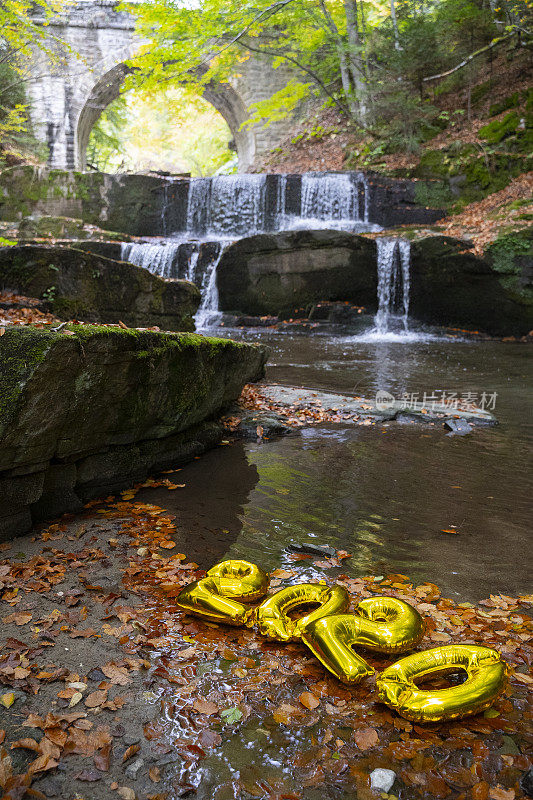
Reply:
x=240, y=579
x=272, y=616
x=382, y=624
x=486, y=680
x=215, y=596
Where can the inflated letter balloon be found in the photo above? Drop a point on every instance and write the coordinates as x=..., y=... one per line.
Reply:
x=487, y=678
x=272, y=616
x=214, y=597
x=240, y=579
x=383, y=624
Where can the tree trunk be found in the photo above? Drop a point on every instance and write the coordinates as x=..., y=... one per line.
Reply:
x=354, y=58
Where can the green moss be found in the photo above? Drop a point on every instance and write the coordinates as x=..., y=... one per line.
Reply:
x=497, y=130
x=21, y=349
x=511, y=101
x=434, y=194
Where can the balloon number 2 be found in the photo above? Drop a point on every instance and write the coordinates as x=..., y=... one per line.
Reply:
x=379, y=624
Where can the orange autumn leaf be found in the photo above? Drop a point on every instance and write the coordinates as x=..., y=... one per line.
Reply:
x=309, y=700
x=365, y=738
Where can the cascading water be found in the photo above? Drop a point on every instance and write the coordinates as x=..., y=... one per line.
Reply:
x=393, y=267
x=208, y=313
x=334, y=198
x=227, y=207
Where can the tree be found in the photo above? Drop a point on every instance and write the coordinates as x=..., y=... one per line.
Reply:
x=19, y=35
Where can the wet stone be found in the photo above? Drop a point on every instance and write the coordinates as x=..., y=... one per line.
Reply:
x=382, y=779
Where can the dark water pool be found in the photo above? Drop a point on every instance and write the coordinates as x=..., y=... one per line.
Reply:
x=384, y=492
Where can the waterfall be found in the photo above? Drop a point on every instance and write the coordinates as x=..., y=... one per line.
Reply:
x=333, y=198
x=160, y=259
x=224, y=208
x=393, y=267
x=208, y=313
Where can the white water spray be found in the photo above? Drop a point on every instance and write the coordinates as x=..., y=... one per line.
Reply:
x=393, y=267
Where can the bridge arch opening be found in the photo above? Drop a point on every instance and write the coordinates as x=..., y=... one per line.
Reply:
x=221, y=97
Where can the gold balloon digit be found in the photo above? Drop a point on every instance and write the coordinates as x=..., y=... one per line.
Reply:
x=216, y=597
x=240, y=579
x=382, y=624
x=486, y=680
x=272, y=616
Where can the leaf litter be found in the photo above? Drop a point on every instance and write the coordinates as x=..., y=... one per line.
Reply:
x=189, y=693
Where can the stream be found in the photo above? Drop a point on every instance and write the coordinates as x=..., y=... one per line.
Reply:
x=384, y=493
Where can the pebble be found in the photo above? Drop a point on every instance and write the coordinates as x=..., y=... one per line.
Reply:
x=382, y=779
x=133, y=768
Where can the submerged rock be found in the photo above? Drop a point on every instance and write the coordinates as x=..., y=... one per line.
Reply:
x=382, y=779
x=91, y=409
x=93, y=288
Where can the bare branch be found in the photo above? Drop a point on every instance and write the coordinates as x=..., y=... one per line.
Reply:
x=466, y=61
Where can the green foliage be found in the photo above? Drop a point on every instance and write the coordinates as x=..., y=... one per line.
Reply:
x=173, y=130
x=231, y=715
x=7, y=242
x=279, y=104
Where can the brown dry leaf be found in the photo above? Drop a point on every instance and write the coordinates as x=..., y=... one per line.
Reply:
x=19, y=618
x=205, y=706
x=96, y=699
x=42, y=764
x=28, y=744
x=102, y=758
x=283, y=573
x=309, y=700
x=75, y=699
x=499, y=793
x=126, y=793
x=522, y=678
x=130, y=752
x=365, y=738
x=6, y=767
x=154, y=774
x=117, y=675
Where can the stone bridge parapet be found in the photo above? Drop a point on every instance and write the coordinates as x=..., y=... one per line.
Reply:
x=90, y=44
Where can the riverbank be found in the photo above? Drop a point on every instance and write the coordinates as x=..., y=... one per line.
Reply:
x=108, y=687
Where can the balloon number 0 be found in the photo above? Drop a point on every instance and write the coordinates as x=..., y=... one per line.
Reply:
x=379, y=624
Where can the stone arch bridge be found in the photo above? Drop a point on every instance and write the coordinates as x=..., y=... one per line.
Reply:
x=92, y=41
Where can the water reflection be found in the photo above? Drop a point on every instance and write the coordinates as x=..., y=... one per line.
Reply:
x=383, y=493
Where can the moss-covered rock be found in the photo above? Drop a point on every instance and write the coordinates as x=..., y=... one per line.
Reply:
x=91, y=409
x=451, y=286
x=280, y=273
x=89, y=287
x=511, y=256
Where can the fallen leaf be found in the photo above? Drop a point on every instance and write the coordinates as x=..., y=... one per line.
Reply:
x=309, y=700
x=365, y=738
x=130, y=752
x=205, y=706
x=7, y=699
x=96, y=699
x=126, y=793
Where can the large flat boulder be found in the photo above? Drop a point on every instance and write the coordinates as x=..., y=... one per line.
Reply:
x=279, y=273
x=90, y=287
x=452, y=286
x=92, y=409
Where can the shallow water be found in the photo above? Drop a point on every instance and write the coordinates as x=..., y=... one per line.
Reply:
x=384, y=493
